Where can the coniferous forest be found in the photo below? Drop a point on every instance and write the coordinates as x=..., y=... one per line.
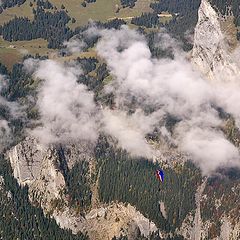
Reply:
x=121, y=177
x=19, y=219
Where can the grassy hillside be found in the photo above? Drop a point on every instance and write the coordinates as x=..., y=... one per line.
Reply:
x=12, y=52
x=23, y=11
x=102, y=10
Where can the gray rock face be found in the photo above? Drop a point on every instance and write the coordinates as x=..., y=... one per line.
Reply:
x=76, y=152
x=115, y=219
x=211, y=52
x=2, y=183
x=195, y=228
x=26, y=159
x=29, y=158
x=40, y=168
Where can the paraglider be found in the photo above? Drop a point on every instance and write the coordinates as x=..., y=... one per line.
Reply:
x=160, y=175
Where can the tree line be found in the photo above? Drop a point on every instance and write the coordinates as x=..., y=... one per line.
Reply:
x=147, y=20
x=10, y=3
x=46, y=25
x=19, y=219
x=128, y=3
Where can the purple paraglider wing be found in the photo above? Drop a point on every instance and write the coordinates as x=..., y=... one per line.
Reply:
x=160, y=175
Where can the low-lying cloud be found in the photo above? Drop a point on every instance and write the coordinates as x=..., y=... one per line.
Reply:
x=67, y=109
x=146, y=90
x=129, y=130
x=13, y=112
x=5, y=134
x=74, y=45
x=209, y=149
x=174, y=88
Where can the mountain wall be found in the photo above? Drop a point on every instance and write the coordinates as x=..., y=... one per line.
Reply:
x=43, y=169
x=213, y=45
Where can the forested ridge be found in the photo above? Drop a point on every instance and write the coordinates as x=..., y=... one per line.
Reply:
x=52, y=26
x=10, y=3
x=122, y=178
x=46, y=25
x=19, y=219
x=133, y=181
x=147, y=20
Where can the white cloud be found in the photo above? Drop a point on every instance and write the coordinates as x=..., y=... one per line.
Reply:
x=74, y=45
x=146, y=90
x=172, y=87
x=67, y=109
x=14, y=111
x=129, y=130
x=210, y=150
x=5, y=134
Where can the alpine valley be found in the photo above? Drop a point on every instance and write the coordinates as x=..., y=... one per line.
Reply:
x=96, y=96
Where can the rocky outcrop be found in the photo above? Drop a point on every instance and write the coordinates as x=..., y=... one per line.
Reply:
x=197, y=223
x=113, y=220
x=2, y=183
x=192, y=227
x=197, y=227
x=26, y=159
x=211, y=51
x=39, y=168
x=42, y=169
x=106, y=221
x=213, y=54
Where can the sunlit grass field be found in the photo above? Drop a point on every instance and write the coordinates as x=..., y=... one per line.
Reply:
x=102, y=10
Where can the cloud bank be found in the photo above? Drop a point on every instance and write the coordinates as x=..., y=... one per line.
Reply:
x=67, y=109
x=74, y=45
x=172, y=87
x=146, y=90
x=12, y=108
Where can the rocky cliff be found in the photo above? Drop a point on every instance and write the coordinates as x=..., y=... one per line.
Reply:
x=214, y=45
x=42, y=169
x=213, y=54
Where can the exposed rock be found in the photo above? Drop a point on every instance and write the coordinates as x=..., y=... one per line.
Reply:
x=192, y=225
x=76, y=152
x=68, y=219
x=235, y=232
x=211, y=51
x=26, y=159
x=197, y=223
x=163, y=209
x=1, y=182
x=106, y=222
x=116, y=219
x=38, y=167
x=2, y=188
x=41, y=169
x=50, y=183
x=225, y=229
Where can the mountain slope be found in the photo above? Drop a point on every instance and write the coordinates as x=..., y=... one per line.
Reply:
x=98, y=188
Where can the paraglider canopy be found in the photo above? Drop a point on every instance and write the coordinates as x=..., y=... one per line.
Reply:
x=160, y=175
